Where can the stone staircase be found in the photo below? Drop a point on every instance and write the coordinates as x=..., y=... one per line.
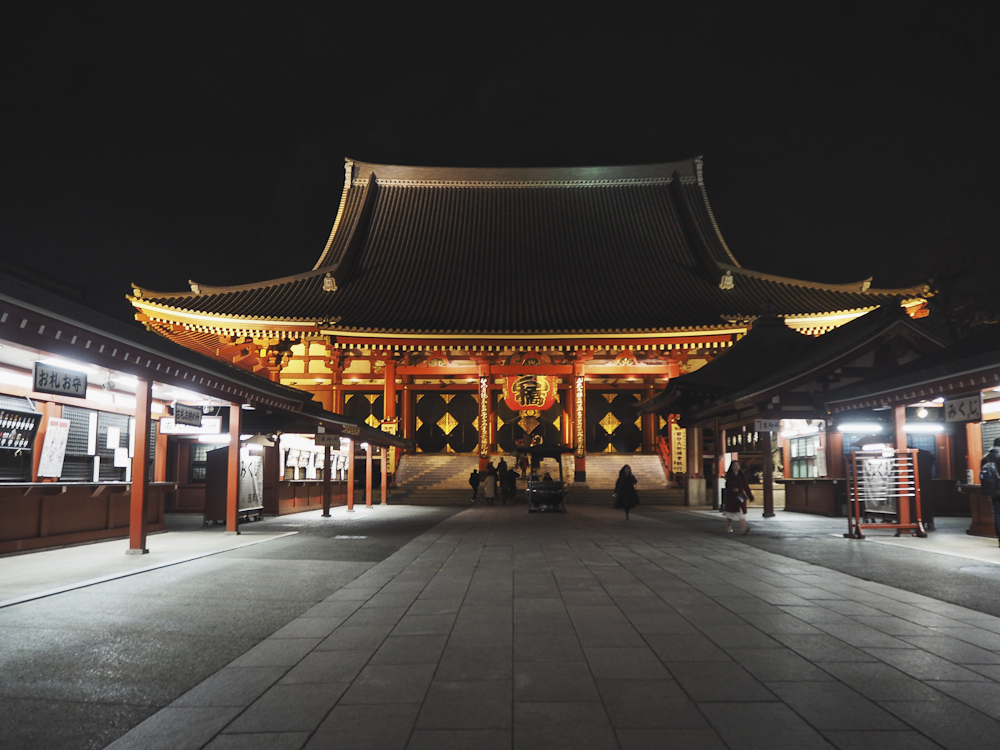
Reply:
x=443, y=478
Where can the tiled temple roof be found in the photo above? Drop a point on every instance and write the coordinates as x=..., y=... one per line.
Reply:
x=443, y=250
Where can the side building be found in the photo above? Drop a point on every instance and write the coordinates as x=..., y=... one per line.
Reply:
x=472, y=310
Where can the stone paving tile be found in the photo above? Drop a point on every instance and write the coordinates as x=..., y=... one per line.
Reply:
x=460, y=662
x=925, y=666
x=375, y=616
x=982, y=696
x=743, y=635
x=390, y=683
x=882, y=682
x=551, y=682
x=718, y=682
x=658, y=739
x=862, y=636
x=288, y=708
x=694, y=647
x=425, y=625
x=260, y=741
x=950, y=723
x=649, y=704
x=892, y=625
x=656, y=622
x=556, y=646
x=754, y=726
x=460, y=739
x=468, y=704
x=380, y=726
x=867, y=739
x=625, y=663
x=782, y=622
x=822, y=648
x=770, y=664
x=562, y=726
x=410, y=649
x=976, y=636
x=334, y=608
x=280, y=652
x=831, y=706
x=351, y=638
x=327, y=666
x=232, y=686
x=180, y=728
x=953, y=649
x=351, y=593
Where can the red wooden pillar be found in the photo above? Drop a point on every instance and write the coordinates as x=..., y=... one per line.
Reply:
x=648, y=420
x=368, y=475
x=140, y=470
x=350, y=475
x=389, y=389
x=233, y=471
x=326, y=481
x=409, y=421
x=385, y=473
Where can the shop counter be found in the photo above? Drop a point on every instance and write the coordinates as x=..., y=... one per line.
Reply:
x=298, y=495
x=35, y=515
x=821, y=496
x=981, y=510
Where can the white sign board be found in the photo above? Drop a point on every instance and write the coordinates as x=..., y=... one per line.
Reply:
x=209, y=426
x=50, y=463
x=767, y=425
x=968, y=409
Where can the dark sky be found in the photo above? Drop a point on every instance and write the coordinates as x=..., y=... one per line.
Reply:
x=207, y=142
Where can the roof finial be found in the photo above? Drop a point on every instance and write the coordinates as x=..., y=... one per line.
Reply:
x=329, y=283
x=195, y=288
x=727, y=280
x=866, y=284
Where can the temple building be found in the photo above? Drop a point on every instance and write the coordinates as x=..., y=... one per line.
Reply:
x=471, y=310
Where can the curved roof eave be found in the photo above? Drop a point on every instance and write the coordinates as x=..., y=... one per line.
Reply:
x=855, y=287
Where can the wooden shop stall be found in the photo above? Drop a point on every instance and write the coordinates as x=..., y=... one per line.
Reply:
x=90, y=414
x=764, y=402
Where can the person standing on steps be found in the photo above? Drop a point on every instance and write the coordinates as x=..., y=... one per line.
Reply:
x=490, y=486
x=474, y=483
x=502, y=479
x=735, y=497
x=625, y=493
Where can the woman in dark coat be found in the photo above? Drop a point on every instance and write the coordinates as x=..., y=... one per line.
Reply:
x=735, y=497
x=625, y=495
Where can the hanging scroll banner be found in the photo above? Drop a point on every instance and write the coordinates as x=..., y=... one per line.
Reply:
x=530, y=392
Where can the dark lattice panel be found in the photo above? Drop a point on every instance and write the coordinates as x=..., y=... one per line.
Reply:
x=79, y=430
x=446, y=422
x=108, y=471
x=368, y=407
x=15, y=466
x=613, y=424
x=77, y=469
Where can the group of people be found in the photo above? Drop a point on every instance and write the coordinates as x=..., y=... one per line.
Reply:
x=735, y=496
x=495, y=479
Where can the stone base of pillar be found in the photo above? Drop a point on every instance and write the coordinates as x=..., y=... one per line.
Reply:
x=137, y=552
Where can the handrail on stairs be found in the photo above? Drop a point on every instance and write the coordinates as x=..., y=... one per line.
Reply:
x=663, y=451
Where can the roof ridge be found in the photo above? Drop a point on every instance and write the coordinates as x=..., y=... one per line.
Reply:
x=582, y=175
x=200, y=290
x=858, y=287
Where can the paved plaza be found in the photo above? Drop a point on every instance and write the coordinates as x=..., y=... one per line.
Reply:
x=491, y=628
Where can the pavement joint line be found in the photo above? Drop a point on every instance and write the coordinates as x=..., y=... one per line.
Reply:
x=137, y=571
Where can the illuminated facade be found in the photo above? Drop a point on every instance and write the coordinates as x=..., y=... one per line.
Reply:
x=469, y=310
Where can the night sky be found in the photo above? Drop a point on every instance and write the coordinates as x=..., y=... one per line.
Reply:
x=207, y=142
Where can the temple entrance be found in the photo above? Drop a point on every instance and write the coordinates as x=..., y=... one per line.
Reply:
x=515, y=428
x=447, y=422
x=613, y=423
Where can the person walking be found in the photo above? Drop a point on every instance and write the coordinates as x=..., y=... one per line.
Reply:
x=735, y=497
x=625, y=493
x=490, y=487
x=989, y=481
x=474, y=483
x=511, y=485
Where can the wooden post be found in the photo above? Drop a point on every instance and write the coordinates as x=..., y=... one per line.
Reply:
x=326, y=481
x=350, y=475
x=233, y=471
x=768, y=474
x=720, y=465
x=368, y=475
x=899, y=426
x=385, y=474
x=140, y=470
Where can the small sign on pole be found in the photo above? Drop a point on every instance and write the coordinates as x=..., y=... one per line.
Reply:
x=189, y=415
x=968, y=409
